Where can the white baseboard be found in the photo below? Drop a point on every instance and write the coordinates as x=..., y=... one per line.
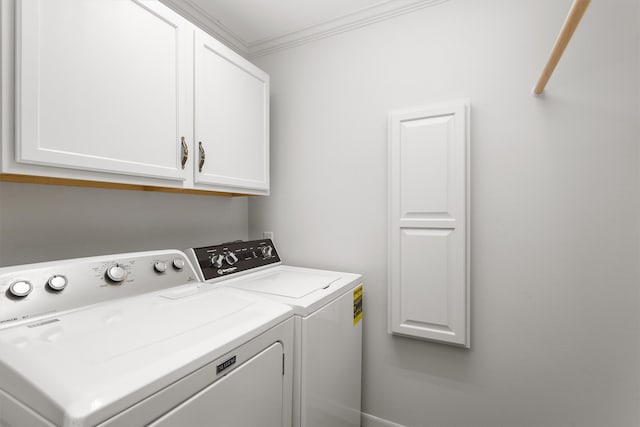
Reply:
x=369, y=420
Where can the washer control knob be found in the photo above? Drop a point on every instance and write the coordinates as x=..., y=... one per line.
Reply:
x=116, y=273
x=57, y=282
x=267, y=251
x=160, y=266
x=178, y=263
x=231, y=258
x=21, y=288
x=216, y=261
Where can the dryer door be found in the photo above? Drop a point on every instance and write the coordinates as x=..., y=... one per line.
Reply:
x=251, y=395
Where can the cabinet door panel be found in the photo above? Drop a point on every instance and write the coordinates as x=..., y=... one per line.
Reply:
x=231, y=117
x=100, y=86
x=429, y=223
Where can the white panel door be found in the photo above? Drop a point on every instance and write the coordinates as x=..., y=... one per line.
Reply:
x=231, y=117
x=249, y=396
x=429, y=223
x=101, y=86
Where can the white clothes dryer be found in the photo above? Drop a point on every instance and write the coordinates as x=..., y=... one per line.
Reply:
x=327, y=309
x=134, y=339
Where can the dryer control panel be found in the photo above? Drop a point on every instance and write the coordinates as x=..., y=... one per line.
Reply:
x=28, y=291
x=235, y=257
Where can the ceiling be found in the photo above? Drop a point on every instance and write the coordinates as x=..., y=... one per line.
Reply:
x=259, y=27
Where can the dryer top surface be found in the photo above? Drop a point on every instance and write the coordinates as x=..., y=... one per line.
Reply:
x=88, y=364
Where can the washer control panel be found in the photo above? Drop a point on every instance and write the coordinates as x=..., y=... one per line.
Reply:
x=236, y=257
x=32, y=290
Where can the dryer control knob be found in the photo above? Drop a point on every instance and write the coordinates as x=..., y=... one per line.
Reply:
x=21, y=288
x=216, y=261
x=160, y=266
x=231, y=258
x=178, y=263
x=57, y=282
x=267, y=251
x=116, y=273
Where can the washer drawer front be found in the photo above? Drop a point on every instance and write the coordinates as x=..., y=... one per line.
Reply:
x=251, y=395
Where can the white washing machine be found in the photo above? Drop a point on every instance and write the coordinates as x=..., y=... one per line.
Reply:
x=135, y=339
x=328, y=324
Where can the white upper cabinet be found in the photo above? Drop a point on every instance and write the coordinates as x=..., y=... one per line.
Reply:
x=429, y=223
x=100, y=86
x=108, y=90
x=231, y=117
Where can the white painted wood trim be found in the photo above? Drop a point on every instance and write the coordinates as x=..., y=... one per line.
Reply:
x=340, y=24
x=255, y=48
x=369, y=420
x=208, y=23
x=7, y=86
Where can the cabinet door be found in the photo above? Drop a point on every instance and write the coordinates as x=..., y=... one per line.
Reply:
x=101, y=86
x=231, y=117
x=429, y=223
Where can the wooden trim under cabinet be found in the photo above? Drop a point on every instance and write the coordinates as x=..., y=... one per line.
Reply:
x=33, y=179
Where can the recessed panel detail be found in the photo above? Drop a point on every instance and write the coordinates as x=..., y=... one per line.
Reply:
x=425, y=156
x=425, y=277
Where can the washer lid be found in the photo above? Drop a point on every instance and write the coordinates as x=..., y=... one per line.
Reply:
x=304, y=289
x=289, y=283
x=83, y=367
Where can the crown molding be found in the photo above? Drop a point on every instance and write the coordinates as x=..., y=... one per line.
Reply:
x=254, y=48
x=208, y=23
x=351, y=21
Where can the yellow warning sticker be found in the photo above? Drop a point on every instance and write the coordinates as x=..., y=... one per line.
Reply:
x=357, y=305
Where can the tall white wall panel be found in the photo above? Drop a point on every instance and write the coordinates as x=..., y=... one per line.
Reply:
x=429, y=223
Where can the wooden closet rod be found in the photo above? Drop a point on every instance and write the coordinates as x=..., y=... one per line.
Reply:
x=578, y=9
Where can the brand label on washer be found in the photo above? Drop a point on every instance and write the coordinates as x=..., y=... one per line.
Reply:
x=357, y=305
x=226, y=364
x=227, y=270
x=45, y=322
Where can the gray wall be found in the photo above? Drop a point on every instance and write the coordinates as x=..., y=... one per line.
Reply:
x=43, y=223
x=555, y=204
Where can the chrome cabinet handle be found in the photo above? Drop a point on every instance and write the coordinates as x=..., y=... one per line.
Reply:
x=202, y=156
x=185, y=152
